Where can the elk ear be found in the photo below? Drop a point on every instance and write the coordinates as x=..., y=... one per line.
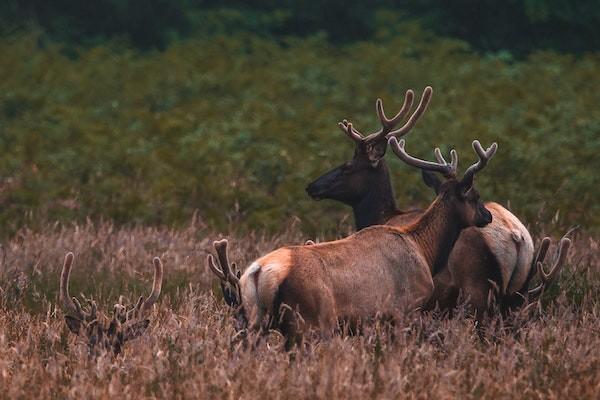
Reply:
x=135, y=330
x=431, y=180
x=73, y=323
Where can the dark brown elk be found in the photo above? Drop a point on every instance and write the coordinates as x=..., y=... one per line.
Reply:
x=364, y=182
x=381, y=270
x=501, y=253
x=100, y=331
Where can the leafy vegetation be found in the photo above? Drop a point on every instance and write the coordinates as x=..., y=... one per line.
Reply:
x=235, y=127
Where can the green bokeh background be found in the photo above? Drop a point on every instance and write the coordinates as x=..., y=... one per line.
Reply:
x=232, y=109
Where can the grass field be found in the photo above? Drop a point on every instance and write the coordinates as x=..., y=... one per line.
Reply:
x=187, y=352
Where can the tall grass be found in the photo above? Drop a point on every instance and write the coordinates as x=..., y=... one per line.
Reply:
x=187, y=350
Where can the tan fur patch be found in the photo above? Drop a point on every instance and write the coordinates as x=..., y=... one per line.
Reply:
x=502, y=214
x=511, y=244
x=275, y=267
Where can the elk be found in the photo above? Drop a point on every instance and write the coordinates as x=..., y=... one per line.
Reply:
x=380, y=270
x=498, y=256
x=366, y=171
x=364, y=182
x=99, y=331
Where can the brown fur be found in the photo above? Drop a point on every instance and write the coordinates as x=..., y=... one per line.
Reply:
x=478, y=259
x=364, y=183
x=381, y=270
x=500, y=252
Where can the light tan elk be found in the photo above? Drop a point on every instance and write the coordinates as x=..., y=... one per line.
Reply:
x=99, y=331
x=498, y=256
x=381, y=270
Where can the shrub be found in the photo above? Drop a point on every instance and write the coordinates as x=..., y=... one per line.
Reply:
x=237, y=126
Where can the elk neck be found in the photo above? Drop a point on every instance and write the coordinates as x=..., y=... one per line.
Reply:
x=379, y=204
x=436, y=232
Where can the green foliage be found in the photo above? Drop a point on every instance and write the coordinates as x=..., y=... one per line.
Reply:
x=236, y=126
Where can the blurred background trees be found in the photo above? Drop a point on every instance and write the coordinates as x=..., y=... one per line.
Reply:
x=518, y=26
x=145, y=111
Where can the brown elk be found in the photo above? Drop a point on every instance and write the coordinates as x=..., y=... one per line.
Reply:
x=99, y=331
x=381, y=270
x=498, y=256
x=367, y=171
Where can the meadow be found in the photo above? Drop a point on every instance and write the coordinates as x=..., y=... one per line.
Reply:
x=187, y=352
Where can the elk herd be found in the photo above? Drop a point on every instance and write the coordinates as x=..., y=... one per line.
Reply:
x=397, y=262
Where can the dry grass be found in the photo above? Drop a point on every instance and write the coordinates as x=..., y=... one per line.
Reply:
x=187, y=350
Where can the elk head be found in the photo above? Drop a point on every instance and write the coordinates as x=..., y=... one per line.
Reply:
x=459, y=195
x=351, y=182
x=100, y=331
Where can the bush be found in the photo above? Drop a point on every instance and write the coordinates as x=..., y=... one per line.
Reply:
x=237, y=126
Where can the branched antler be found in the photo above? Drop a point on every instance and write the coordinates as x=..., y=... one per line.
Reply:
x=547, y=278
x=228, y=274
x=375, y=142
x=442, y=166
x=484, y=157
x=127, y=322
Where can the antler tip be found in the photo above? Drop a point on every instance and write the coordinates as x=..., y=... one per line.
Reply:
x=220, y=242
x=392, y=141
x=157, y=262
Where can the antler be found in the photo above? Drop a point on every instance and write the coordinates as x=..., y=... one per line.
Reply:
x=142, y=306
x=484, y=157
x=70, y=305
x=223, y=270
x=548, y=278
x=156, y=285
x=448, y=170
x=388, y=124
x=227, y=273
x=126, y=323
